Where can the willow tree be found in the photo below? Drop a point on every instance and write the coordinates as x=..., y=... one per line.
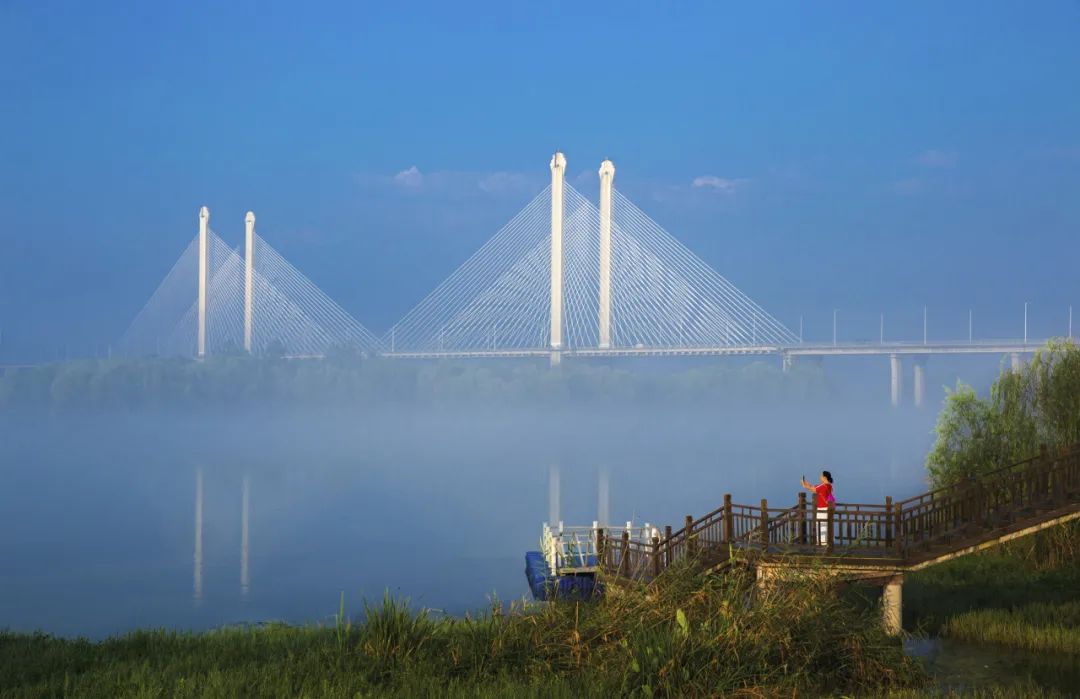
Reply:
x=1035, y=405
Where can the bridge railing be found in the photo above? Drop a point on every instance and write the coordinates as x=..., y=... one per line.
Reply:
x=886, y=532
x=577, y=547
x=995, y=499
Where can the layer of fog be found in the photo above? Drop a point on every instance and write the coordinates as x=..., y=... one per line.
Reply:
x=97, y=513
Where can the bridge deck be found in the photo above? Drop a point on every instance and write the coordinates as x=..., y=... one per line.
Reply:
x=797, y=350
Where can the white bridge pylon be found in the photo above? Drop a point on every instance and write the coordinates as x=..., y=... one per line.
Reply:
x=214, y=301
x=564, y=274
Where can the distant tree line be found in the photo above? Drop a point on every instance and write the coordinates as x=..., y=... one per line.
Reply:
x=352, y=379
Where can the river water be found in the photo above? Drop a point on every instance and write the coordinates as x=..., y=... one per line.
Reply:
x=957, y=665
x=112, y=522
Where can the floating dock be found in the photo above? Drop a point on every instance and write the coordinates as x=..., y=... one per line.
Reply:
x=566, y=565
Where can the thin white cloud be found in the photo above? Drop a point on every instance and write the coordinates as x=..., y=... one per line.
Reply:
x=500, y=182
x=411, y=178
x=936, y=158
x=719, y=184
x=453, y=183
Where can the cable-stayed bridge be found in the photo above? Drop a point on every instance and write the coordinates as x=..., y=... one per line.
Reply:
x=563, y=278
x=215, y=301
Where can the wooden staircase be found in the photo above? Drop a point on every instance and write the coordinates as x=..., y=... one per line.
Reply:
x=865, y=540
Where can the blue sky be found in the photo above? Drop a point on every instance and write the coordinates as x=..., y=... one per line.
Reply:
x=850, y=155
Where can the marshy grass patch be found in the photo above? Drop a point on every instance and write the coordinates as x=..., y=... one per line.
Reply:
x=1040, y=627
x=691, y=635
x=994, y=580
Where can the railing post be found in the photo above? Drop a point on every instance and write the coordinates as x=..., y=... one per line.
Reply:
x=667, y=545
x=600, y=547
x=729, y=520
x=1054, y=477
x=656, y=556
x=982, y=504
x=691, y=540
x=802, y=518
x=1044, y=467
x=898, y=531
x=624, y=559
x=888, y=521
x=829, y=533
x=764, y=524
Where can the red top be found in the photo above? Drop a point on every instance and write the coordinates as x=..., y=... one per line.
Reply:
x=823, y=492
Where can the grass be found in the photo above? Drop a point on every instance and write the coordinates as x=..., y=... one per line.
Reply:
x=1037, y=627
x=1022, y=692
x=990, y=581
x=687, y=635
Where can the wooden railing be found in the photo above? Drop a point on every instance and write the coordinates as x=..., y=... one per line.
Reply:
x=890, y=533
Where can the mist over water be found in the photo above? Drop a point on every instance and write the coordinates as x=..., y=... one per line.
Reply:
x=100, y=513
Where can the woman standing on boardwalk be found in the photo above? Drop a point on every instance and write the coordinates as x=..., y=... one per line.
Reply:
x=824, y=493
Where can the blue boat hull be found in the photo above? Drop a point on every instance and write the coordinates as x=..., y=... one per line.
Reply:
x=545, y=586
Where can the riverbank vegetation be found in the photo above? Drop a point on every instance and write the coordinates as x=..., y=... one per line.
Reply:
x=688, y=635
x=996, y=580
x=1040, y=627
x=1025, y=594
x=1027, y=409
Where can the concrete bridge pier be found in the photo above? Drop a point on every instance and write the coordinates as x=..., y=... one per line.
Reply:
x=788, y=360
x=895, y=385
x=919, y=388
x=892, y=597
x=1017, y=363
x=892, y=589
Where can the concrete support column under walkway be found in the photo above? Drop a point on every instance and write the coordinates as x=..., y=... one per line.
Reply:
x=768, y=574
x=892, y=604
x=1017, y=363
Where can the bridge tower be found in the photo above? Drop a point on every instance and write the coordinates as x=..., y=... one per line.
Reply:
x=607, y=177
x=558, y=180
x=249, y=275
x=204, y=253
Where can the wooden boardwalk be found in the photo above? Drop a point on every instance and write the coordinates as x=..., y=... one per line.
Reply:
x=878, y=542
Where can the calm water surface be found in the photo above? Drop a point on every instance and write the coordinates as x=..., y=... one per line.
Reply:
x=109, y=523
x=961, y=666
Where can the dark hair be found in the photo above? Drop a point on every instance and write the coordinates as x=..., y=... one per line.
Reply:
x=828, y=476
